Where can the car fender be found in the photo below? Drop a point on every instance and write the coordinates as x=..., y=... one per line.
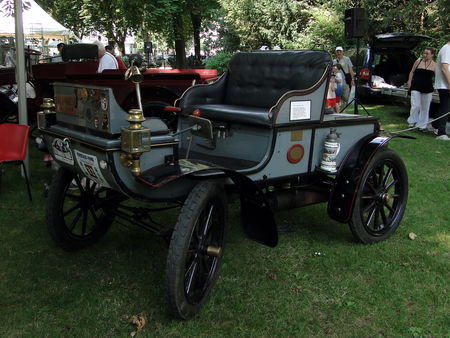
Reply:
x=257, y=217
x=348, y=178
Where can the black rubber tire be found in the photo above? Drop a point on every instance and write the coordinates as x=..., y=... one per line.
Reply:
x=190, y=272
x=70, y=211
x=381, y=199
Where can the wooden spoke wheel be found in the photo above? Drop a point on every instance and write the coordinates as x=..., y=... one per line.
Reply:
x=77, y=210
x=381, y=198
x=196, y=248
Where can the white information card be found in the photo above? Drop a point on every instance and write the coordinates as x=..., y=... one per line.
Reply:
x=300, y=110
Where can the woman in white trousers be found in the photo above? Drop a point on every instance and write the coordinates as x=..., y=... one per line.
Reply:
x=420, y=83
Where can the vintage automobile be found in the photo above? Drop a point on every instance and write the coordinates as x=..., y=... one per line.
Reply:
x=259, y=133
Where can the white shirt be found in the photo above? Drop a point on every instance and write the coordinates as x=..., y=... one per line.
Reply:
x=443, y=57
x=107, y=61
x=345, y=62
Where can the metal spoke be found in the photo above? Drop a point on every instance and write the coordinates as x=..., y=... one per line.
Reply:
x=370, y=185
x=394, y=182
x=92, y=187
x=75, y=220
x=381, y=176
x=369, y=219
x=377, y=218
x=75, y=197
x=391, y=209
x=80, y=186
x=83, y=229
x=94, y=215
x=72, y=209
x=191, y=272
x=383, y=216
x=196, y=233
x=388, y=176
x=208, y=220
x=371, y=197
x=370, y=206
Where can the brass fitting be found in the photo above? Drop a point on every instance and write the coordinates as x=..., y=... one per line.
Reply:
x=214, y=251
x=47, y=116
x=135, y=141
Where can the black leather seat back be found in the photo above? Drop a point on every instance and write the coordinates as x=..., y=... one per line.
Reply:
x=79, y=51
x=259, y=79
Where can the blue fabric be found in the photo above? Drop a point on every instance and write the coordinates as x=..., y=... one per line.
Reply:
x=339, y=90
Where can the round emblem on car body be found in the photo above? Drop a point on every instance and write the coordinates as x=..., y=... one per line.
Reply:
x=295, y=153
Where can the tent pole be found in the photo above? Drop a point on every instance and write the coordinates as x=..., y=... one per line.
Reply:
x=21, y=71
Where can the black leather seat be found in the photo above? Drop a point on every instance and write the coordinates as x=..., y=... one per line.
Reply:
x=241, y=114
x=254, y=83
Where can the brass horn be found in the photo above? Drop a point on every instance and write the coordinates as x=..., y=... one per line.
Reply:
x=136, y=77
x=133, y=74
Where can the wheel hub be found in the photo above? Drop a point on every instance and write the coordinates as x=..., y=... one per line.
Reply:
x=386, y=197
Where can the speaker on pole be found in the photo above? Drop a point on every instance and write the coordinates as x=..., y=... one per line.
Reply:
x=148, y=47
x=355, y=22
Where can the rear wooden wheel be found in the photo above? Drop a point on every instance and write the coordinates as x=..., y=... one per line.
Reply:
x=77, y=210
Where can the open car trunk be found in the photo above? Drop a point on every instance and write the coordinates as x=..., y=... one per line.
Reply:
x=392, y=58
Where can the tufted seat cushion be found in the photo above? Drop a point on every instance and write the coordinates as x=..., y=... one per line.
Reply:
x=259, y=79
x=254, y=83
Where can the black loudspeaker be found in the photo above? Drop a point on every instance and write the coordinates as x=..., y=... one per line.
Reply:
x=148, y=47
x=355, y=22
x=79, y=51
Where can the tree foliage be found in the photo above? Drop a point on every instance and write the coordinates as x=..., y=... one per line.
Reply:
x=229, y=25
x=267, y=22
x=68, y=13
x=7, y=7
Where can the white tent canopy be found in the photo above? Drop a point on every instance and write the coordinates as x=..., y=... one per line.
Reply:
x=36, y=23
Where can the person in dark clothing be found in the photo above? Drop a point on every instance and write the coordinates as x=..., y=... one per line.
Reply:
x=420, y=83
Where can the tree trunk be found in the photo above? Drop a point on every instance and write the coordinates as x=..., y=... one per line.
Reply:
x=196, y=25
x=121, y=45
x=180, y=50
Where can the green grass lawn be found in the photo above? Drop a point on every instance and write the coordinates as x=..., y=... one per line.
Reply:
x=398, y=288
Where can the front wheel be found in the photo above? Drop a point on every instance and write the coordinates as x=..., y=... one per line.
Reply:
x=196, y=248
x=381, y=198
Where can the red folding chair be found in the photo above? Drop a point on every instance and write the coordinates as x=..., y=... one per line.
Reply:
x=13, y=147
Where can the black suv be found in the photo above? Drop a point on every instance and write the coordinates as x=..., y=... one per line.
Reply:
x=388, y=57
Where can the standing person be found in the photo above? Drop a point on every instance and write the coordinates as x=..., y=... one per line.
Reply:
x=340, y=83
x=110, y=50
x=107, y=60
x=331, y=95
x=347, y=66
x=60, y=46
x=420, y=83
x=442, y=84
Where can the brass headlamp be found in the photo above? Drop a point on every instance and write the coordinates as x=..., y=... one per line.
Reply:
x=47, y=116
x=135, y=141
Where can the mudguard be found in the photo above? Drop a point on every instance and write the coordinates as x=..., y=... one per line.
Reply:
x=343, y=193
x=257, y=218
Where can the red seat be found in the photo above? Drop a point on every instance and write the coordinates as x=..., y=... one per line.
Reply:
x=13, y=146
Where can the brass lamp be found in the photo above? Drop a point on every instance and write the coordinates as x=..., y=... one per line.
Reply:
x=47, y=116
x=135, y=141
